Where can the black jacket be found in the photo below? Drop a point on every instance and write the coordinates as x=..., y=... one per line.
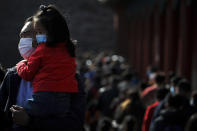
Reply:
x=169, y=119
x=8, y=95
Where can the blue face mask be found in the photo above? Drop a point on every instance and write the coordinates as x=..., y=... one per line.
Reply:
x=172, y=90
x=41, y=38
x=191, y=102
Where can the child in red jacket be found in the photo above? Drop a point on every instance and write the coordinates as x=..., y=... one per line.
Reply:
x=51, y=67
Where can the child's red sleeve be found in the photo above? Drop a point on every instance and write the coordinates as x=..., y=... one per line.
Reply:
x=27, y=70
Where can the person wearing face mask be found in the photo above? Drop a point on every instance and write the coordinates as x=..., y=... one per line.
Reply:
x=15, y=91
x=174, y=82
x=12, y=89
x=51, y=67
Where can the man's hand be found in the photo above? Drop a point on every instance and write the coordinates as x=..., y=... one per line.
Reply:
x=20, y=117
x=22, y=61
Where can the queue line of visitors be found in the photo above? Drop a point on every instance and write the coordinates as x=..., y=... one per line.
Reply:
x=119, y=100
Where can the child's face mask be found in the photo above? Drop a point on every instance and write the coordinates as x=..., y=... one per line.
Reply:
x=25, y=47
x=41, y=38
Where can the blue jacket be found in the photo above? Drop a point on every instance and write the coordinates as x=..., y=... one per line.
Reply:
x=8, y=94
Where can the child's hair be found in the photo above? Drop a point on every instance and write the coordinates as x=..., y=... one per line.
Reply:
x=56, y=26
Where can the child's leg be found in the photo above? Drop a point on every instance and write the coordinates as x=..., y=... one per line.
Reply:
x=47, y=104
x=61, y=104
x=40, y=104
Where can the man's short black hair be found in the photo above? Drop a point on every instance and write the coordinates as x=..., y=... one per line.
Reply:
x=160, y=78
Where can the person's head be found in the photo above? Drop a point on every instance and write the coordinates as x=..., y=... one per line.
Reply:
x=28, y=31
x=27, y=43
x=161, y=93
x=160, y=78
x=143, y=85
x=174, y=82
x=183, y=88
x=49, y=22
x=2, y=74
x=151, y=72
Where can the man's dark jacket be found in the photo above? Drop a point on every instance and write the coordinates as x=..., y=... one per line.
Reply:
x=8, y=95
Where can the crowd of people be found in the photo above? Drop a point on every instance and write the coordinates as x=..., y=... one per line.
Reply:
x=119, y=100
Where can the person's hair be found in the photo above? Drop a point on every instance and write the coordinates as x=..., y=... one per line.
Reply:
x=160, y=78
x=184, y=85
x=191, y=124
x=143, y=85
x=161, y=93
x=2, y=73
x=56, y=26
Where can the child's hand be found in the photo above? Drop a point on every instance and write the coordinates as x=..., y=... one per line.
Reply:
x=24, y=61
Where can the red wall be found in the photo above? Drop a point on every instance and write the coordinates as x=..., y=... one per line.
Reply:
x=164, y=38
x=185, y=40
